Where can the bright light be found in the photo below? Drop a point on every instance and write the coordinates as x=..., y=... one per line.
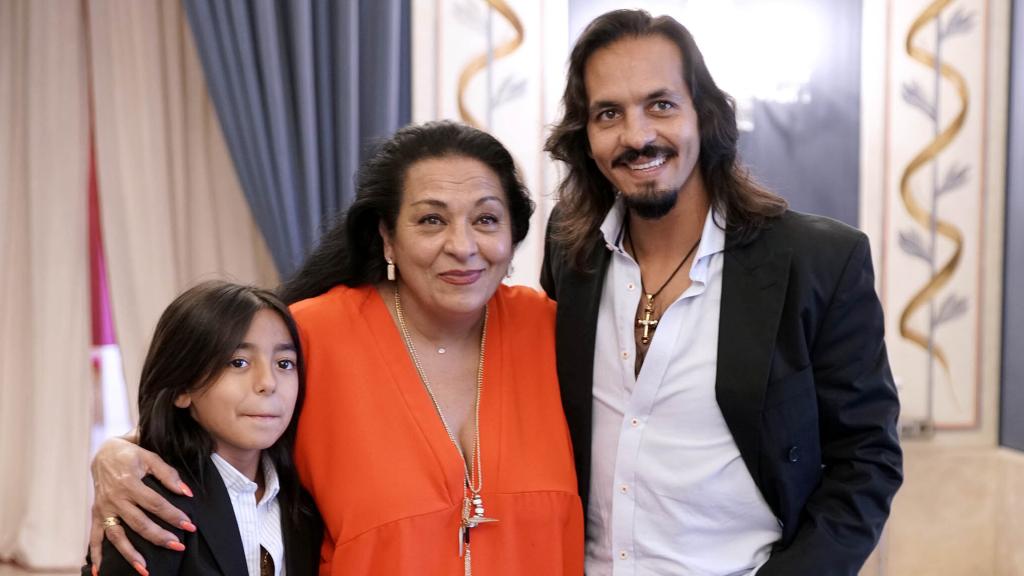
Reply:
x=757, y=51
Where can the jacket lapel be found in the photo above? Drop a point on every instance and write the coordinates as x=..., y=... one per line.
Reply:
x=579, y=296
x=216, y=518
x=754, y=282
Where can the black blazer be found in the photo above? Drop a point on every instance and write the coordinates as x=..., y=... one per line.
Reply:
x=803, y=382
x=216, y=547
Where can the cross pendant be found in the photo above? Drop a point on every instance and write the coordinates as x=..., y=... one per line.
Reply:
x=647, y=323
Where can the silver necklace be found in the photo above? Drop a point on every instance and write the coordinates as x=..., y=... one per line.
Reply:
x=471, y=501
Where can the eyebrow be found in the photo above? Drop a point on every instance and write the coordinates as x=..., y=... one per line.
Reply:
x=659, y=94
x=441, y=204
x=278, y=348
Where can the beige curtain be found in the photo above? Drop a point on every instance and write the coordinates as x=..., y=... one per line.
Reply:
x=172, y=212
x=44, y=290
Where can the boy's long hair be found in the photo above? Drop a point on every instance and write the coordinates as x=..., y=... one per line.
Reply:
x=195, y=338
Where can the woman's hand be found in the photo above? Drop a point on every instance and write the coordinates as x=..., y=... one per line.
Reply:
x=117, y=472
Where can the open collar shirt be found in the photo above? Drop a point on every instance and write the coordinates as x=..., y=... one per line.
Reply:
x=669, y=492
x=259, y=523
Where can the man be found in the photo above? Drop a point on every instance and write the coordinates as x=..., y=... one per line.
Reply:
x=721, y=358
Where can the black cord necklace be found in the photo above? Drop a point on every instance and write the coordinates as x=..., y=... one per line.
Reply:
x=647, y=322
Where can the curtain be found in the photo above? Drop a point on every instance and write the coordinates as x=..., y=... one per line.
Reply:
x=44, y=284
x=172, y=209
x=300, y=87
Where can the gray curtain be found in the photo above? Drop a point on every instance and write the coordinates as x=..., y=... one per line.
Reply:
x=301, y=87
x=1012, y=402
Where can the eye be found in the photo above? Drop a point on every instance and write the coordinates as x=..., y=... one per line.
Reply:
x=662, y=106
x=607, y=114
x=238, y=363
x=431, y=220
x=488, y=219
x=286, y=364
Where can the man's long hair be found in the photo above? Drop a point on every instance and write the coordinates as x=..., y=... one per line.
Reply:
x=585, y=195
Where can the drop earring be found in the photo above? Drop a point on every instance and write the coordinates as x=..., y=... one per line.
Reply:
x=510, y=271
x=391, y=269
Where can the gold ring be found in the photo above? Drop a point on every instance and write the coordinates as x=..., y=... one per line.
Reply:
x=111, y=521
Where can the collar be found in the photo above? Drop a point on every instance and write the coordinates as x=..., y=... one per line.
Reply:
x=712, y=239
x=238, y=484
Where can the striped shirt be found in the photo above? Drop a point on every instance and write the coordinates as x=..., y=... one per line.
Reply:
x=259, y=523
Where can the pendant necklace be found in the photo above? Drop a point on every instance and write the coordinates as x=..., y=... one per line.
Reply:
x=647, y=322
x=472, y=502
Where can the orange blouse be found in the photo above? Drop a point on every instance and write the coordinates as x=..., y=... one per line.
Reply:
x=386, y=477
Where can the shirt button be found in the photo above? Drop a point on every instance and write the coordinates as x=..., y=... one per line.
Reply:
x=634, y=422
x=794, y=454
x=623, y=554
x=625, y=354
x=630, y=286
x=624, y=489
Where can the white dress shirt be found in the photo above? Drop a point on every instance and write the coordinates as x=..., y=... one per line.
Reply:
x=669, y=492
x=259, y=523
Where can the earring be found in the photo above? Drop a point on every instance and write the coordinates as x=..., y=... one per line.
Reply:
x=391, y=269
x=511, y=270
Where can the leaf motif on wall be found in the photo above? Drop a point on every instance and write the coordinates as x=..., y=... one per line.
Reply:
x=943, y=249
x=956, y=176
x=952, y=308
x=960, y=22
x=471, y=13
x=913, y=245
x=509, y=89
x=480, y=62
x=913, y=94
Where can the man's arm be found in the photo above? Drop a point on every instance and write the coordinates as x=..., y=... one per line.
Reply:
x=858, y=409
x=117, y=473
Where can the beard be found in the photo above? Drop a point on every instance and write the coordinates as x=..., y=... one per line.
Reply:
x=650, y=203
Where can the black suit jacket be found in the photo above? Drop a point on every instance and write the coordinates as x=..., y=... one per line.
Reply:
x=216, y=547
x=803, y=382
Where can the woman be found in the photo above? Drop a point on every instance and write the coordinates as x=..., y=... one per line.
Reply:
x=432, y=438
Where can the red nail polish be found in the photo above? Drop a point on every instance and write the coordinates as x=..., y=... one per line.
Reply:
x=176, y=546
x=185, y=489
x=140, y=569
x=188, y=526
x=95, y=570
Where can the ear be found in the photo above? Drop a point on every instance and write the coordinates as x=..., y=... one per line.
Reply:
x=183, y=400
x=385, y=235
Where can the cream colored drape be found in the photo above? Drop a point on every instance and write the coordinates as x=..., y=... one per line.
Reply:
x=172, y=209
x=172, y=213
x=44, y=290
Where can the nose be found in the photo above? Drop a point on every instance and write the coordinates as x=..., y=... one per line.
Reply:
x=265, y=379
x=461, y=241
x=638, y=131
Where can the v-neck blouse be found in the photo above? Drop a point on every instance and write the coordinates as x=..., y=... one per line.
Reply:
x=385, y=475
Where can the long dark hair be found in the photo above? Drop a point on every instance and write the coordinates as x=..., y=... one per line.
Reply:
x=586, y=195
x=351, y=252
x=195, y=338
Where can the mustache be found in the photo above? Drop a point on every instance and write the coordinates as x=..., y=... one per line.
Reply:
x=650, y=151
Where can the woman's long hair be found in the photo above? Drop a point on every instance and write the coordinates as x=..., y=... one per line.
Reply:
x=195, y=338
x=585, y=195
x=351, y=252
